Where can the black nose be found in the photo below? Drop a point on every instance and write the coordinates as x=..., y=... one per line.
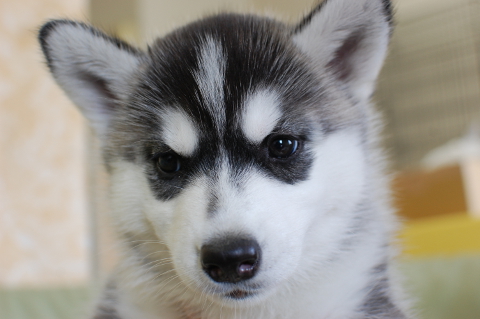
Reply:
x=230, y=259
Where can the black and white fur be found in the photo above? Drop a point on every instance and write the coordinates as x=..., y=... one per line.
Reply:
x=216, y=98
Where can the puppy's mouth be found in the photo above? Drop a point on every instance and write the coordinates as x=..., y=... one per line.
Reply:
x=239, y=294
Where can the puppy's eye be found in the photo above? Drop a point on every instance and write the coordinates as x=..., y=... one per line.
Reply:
x=282, y=146
x=168, y=163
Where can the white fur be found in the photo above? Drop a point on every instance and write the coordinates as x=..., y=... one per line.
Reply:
x=179, y=132
x=310, y=221
x=260, y=116
x=210, y=77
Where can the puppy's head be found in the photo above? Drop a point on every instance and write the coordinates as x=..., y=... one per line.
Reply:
x=237, y=143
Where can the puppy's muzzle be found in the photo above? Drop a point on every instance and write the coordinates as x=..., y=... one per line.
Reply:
x=230, y=259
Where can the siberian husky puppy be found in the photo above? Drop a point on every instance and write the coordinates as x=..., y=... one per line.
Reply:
x=246, y=179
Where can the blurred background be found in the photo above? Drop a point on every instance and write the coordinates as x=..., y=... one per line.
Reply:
x=55, y=244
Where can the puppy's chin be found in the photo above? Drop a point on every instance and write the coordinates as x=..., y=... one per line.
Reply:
x=235, y=295
x=240, y=297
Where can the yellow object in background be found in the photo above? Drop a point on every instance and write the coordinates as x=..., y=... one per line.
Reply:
x=444, y=235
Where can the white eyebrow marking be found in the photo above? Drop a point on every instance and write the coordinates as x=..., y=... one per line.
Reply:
x=179, y=132
x=260, y=115
x=210, y=78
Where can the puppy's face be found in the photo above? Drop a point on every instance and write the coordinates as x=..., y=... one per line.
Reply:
x=252, y=193
x=232, y=143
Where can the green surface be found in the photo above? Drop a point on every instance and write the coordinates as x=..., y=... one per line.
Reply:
x=445, y=288
x=60, y=303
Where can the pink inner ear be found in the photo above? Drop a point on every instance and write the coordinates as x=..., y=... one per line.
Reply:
x=342, y=64
x=101, y=87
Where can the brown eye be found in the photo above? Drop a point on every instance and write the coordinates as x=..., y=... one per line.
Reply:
x=168, y=163
x=282, y=146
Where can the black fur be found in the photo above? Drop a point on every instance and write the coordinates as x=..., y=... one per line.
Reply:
x=259, y=56
x=378, y=303
x=388, y=7
x=106, y=308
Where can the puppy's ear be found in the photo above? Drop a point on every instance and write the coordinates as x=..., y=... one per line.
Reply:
x=350, y=39
x=95, y=70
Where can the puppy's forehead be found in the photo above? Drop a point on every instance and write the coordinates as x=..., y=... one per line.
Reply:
x=219, y=60
x=210, y=79
x=228, y=77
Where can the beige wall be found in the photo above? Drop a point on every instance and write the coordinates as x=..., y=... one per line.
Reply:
x=43, y=222
x=142, y=21
x=287, y=10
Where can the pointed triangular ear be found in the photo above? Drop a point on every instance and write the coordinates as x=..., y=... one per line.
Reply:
x=348, y=38
x=95, y=70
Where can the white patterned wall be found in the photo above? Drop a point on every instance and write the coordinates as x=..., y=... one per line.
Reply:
x=429, y=88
